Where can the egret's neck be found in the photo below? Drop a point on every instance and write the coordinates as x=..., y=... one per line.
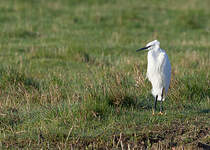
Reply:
x=154, y=52
x=156, y=48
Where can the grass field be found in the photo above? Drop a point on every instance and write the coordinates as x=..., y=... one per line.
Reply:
x=70, y=76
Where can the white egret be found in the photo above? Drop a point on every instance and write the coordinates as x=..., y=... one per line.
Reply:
x=158, y=71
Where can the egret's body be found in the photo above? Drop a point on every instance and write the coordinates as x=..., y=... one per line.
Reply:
x=158, y=71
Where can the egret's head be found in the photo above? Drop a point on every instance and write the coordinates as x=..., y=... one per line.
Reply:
x=150, y=46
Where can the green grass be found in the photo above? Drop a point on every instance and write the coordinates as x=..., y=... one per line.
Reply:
x=70, y=76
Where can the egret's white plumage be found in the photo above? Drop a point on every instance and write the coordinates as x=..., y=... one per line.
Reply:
x=158, y=70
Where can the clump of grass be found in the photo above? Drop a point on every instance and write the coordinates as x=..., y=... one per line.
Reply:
x=12, y=77
x=112, y=92
x=95, y=108
x=119, y=89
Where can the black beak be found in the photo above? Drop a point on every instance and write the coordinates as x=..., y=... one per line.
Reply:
x=142, y=48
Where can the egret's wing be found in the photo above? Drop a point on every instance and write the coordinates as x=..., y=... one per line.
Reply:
x=165, y=69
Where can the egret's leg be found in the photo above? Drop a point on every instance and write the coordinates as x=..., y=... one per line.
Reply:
x=161, y=107
x=156, y=102
x=161, y=103
x=155, y=105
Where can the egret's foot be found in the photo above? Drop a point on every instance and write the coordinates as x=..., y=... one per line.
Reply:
x=161, y=113
x=153, y=112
